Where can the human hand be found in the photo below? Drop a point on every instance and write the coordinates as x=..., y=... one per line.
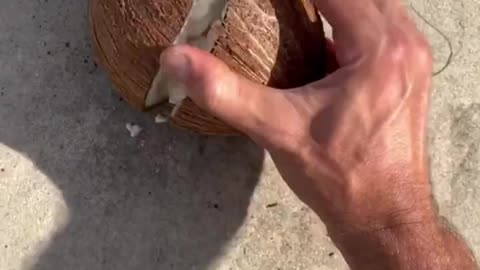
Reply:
x=353, y=145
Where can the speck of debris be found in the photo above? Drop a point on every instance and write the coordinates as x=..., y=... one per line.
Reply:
x=85, y=61
x=272, y=205
x=214, y=205
x=149, y=193
x=134, y=130
x=67, y=44
x=331, y=254
x=160, y=119
x=49, y=52
x=201, y=148
x=6, y=246
x=2, y=170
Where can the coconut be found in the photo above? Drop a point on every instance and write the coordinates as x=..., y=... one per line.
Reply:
x=279, y=43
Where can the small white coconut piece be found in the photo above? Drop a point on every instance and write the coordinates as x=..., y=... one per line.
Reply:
x=160, y=119
x=133, y=129
x=198, y=31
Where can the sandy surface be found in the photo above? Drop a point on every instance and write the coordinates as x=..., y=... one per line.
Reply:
x=77, y=192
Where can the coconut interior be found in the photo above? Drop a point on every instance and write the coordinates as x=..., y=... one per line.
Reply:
x=198, y=31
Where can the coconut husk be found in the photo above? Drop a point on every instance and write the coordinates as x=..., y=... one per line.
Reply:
x=279, y=43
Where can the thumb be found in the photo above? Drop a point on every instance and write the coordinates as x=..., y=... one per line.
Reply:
x=214, y=87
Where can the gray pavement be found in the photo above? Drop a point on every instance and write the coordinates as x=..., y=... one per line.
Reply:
x=77, y=192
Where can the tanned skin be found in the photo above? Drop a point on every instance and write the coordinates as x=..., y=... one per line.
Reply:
x=352, y=146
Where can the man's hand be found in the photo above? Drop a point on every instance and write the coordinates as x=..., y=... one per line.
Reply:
x=352, y=146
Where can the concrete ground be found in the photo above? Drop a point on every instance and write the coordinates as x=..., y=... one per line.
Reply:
x=77, y=192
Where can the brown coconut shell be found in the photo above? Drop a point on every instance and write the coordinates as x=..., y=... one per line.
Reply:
x=279, y=43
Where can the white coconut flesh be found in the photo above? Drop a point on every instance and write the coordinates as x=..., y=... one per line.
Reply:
x=198, y=31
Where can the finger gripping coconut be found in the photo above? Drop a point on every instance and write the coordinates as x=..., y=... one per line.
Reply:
x=279, y=43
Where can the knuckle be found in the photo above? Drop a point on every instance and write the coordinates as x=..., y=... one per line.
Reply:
x=423, y=54
x=396, y=51
x=402, y=51
x=219, y=86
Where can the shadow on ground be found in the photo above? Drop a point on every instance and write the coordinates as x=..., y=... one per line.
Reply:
x=164, y=200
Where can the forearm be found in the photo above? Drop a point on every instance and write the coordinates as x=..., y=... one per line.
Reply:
x=405, y=247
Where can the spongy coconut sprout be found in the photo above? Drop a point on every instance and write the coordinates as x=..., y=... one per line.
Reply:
x=274, y=42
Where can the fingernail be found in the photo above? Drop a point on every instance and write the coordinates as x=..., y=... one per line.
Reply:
x=175, y=64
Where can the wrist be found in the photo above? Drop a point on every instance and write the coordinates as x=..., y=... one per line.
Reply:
x=390, y=247
x=374, y=239
x=381, y=210
x=372, y=221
